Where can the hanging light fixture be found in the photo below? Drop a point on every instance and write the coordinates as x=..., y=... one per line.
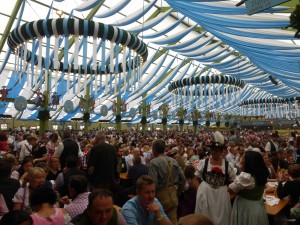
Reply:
x=134, y=50
x=59, y=13
x=207, y=89
x=270, y=107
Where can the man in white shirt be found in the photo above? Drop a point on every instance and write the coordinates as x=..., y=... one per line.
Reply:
x=232, y=155
x=26, y=149
x=272, y=145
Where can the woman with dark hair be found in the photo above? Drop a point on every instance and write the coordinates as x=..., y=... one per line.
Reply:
x=248, y=206
x=42, y=200
x=16, y=217
x=187, y=200
x=54, y=145
x=21, y=173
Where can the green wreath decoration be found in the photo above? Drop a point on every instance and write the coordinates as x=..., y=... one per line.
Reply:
x=295, y=20
x=207, y=123
x=43, y=115
x=86, y=117
x=65, y=26
x=181, y=122
x=118, y=118
x=144, y=120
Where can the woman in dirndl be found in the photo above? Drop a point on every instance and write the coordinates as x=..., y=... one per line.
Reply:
x=213, y=199
x=248, y=207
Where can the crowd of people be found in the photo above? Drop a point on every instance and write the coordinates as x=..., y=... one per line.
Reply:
x=185, y=178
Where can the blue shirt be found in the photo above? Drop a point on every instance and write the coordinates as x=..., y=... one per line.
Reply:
x=135, y=214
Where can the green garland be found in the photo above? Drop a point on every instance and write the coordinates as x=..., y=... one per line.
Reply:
x=144, y=120
x=164, y=121
x=207, y=123
x=118, y=118
x=181, y=122
x=86, y=117
x=195, y=123
x=44, y=115
x=295, y=20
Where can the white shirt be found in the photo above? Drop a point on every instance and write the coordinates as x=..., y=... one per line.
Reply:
x=241, y=182
x=57, y=150
x=268, y=146
x=26, y=150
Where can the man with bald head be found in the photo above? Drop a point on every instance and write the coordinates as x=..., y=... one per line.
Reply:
x=129, y=158
x=102, y=163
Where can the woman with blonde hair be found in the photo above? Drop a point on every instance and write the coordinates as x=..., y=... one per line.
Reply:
x=36, y=176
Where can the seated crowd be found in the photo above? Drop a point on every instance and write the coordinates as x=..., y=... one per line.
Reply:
x=145, y=178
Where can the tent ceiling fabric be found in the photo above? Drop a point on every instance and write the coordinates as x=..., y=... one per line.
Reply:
x=185, y=40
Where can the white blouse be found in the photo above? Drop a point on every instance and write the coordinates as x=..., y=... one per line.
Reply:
x=241, y=182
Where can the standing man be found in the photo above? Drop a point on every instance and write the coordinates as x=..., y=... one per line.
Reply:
x=70, y=148
x=272, y=145
x=62, y=180
x=168, y=178
x=102, y=163
x=144, y=209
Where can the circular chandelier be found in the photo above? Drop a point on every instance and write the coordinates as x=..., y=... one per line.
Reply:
x=271, y=107
x=77, y=49
x=78, y=27
x=208, y=88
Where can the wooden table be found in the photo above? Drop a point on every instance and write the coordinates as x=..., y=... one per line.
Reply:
x=271, y=210
x=117, y=207
x=275, y=209
x=125, y=181
x=123, y=176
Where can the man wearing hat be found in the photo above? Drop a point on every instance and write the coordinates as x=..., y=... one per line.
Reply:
x=174, y=153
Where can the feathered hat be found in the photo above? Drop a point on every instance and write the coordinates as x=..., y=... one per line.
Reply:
x=219, y=141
